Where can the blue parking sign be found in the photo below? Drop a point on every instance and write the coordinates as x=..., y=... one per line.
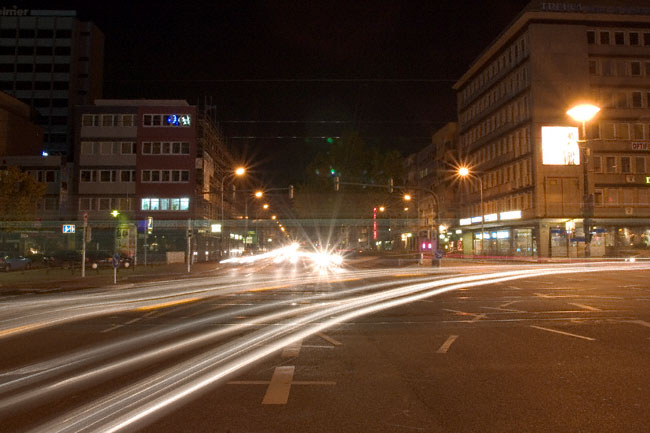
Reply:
x=68, y=228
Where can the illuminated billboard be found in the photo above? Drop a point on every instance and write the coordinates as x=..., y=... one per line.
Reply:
x=560, y=145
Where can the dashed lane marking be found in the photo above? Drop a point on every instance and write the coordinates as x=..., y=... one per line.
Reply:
x=445, y=346
x=563, y=333
x=292, y=350
x=586, y=307
x=329, y=339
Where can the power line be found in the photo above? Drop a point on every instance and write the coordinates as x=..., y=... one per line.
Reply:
x=290, y=80
x=336, y=121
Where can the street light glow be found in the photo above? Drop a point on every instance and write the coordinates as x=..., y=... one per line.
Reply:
x=583, y=112
x=259, y=194
x=240, y=171
x=382, y=208
x=407, y=197
x=463, y=171
x=266, y=206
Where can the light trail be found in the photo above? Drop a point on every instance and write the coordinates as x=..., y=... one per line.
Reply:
x=166, y=389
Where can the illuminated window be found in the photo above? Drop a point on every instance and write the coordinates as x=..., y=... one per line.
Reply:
x=176, y=204
x=164, y=204
x=145, y=204
x=185, y=203
x=155, y=204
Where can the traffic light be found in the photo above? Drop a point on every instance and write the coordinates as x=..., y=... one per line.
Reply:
x=337, y=183
x=290, y=191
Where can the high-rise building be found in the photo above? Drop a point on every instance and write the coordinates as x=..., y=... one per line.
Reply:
x=51, y=61
x=537, y=186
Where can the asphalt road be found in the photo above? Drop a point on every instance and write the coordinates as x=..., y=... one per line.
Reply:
x=273, y=348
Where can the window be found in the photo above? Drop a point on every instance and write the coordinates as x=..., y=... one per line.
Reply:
x=646, y=39
x=593, y=67
x=635, y=68
x=87, y=147
x=107, y=120
x=27, y=33
x=155, y=176
x=626, y=164
x=62, y=51
x=610, y=164
x=185, y=176
x=621, y=100
x=104, y=204
x=598, y=198
x=604, y=38
x=619, y=38
x=128, y=148
x=146, y=176
x=145, y=204
x=127, y=120
x=164, y=204
x=639, y=162
x=105, y=175
x=634, y=38
x=647, y=69
x=155, y=204
x=45, y=33
x=146, y=147
x=185, y=203
x=623, y=131
x=621, y=68
x=106, y=147
x=85, y=175
x=637, y=101
x=64, y=33
x=155, y=148
x=611, y=196
x=607, y=68
x=185, y=147
x=596, y=162
x=86, y=204
x=61, y=67
x=607, y=131
x=165, y=176
x=125, y=204
x=176, y=204
x=591, y=37
x=637, y=131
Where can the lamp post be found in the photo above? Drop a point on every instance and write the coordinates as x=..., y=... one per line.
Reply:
x=464, y=172
x=584, y=113
x=239, y=171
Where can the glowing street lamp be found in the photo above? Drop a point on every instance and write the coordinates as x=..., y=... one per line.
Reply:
x=465, y=172
x=265, y=206
x=407, y=197
x=584, y=113
x=259, y=194
x=238, y=172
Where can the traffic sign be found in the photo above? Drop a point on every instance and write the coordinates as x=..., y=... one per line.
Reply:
x=149, y=225
x=116, y=260
x=68, y=228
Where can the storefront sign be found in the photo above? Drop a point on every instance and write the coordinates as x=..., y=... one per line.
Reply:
x=560, y=145
x=511, y=215
x=641, y=146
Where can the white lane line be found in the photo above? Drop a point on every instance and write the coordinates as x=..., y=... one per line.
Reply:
x=292, y=350
x=329, y=339
x=112, y=328
x=278, y=390
x=586, y=307
x=563, y=333
x=445, y=346
x=133, y=321
x=317, y=346
x=641, y=322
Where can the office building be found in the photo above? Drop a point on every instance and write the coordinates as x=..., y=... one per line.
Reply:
x=51, y=61
x=546, y=188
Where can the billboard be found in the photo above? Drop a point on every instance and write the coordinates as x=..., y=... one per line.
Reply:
x=560, y=145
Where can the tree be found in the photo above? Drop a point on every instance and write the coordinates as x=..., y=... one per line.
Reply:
x=20, y=194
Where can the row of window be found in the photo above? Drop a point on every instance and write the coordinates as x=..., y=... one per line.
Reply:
x=604, y=197
x=107, y=175
x=30, y=51
x=165, y=176
x=108, y=148
x=618, y=37
x=518, y=175
x=619, y=68
x=165, y=148
x=511, y=113
x=514, y=144
x=167, y=120
x=47, y=176
x=622, y=99
x=108, y=120
x=48, y=203
x=620, y=131
x=165, y=204
x=38, y=67
x=618, y=164
x=35, y=33
x=105, y=203
x=510, y=85
x=510, y=56
x=35, y=85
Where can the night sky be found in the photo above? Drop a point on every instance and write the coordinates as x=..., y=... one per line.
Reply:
x=274, y=70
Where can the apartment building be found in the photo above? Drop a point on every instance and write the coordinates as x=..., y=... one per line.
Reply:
x=151, y=160
x=529, y=161
x=51, y=61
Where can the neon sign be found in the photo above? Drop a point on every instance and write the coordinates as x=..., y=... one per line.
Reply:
x=177, y=120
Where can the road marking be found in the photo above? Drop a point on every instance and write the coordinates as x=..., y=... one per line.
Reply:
x=278, y=390
x=112, y=328
x=475, y=316
x=167, y=304
x=132, y=321
x=586, y=307
x=640, y=322
x=292, y=350
x=563, y=333
x=445, y=346
x=329, y=339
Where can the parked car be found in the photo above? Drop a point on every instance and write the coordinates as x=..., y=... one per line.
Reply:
x=9, y=262
x=64, y=258
x=38, y=260
x=99, y=259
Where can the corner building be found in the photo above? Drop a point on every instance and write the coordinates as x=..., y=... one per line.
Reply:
x=528, y=156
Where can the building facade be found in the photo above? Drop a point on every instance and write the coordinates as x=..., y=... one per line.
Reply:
x=51, y=61
x=19, y=135
x=156, y=163
x=530, y=162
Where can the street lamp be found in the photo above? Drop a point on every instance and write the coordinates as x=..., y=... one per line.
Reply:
x=584, y=113
x=465, y=172
x=239, y=171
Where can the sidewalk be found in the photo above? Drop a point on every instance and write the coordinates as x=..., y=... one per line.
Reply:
x=66, y=279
